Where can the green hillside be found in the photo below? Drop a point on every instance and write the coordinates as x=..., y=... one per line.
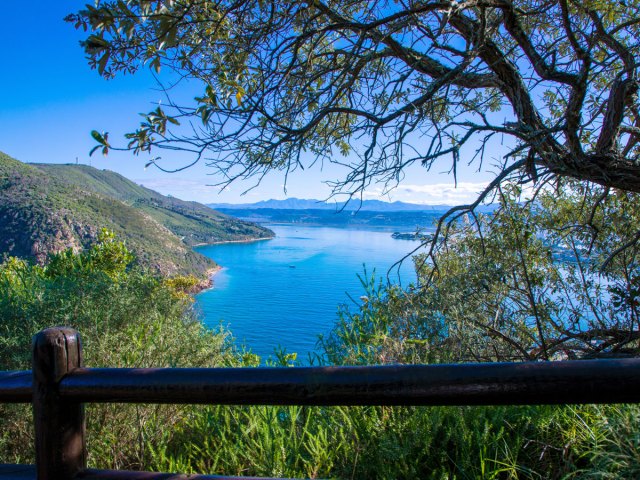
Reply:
x=193, y=222
x=46, y=208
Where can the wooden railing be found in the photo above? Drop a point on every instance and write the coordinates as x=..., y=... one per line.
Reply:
x=59, y=385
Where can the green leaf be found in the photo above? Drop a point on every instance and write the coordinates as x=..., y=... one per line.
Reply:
x=102, y=63
x=97, y=136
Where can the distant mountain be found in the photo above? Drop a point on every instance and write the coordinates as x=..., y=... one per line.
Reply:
x=392, y=221
x=354, y=205
x=366, y=214
x=46, y=208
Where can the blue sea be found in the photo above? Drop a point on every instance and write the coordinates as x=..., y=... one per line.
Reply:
x=284, y=292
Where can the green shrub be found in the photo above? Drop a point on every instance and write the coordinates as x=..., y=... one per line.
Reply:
x=127, y=318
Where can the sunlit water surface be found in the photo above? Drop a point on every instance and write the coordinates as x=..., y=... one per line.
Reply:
x=285, y=292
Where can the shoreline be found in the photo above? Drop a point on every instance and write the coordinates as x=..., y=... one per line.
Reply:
x=249, y=240
x=213, y=271
x=206, y=283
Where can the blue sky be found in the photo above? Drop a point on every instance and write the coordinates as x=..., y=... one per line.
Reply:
x=51, y=100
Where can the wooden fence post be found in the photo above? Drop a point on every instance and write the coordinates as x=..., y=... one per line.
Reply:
x=59, y=424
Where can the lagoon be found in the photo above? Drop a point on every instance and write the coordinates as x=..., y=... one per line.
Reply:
x=284, y=292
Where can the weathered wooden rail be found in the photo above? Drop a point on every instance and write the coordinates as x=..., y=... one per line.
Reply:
x=59, y=385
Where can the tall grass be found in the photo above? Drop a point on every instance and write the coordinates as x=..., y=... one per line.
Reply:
x=400, y=442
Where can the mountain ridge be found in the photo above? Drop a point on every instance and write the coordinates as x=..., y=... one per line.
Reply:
x=191, y=215
x=46, y=208
x=353, y=206
x=312, y=204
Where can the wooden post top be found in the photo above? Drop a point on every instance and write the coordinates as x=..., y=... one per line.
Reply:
x=59, y=423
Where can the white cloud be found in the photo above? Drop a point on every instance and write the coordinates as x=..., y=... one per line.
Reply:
x=182, y=188
x=431, y=194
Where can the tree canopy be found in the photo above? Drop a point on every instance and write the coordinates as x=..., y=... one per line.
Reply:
x=378, y=85
x=550, y=87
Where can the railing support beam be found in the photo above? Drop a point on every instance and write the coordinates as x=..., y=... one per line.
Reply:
x=59, y=423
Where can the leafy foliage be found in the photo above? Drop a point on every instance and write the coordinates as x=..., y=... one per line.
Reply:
x=524, y=283
x=127, y=319
x=130, y=319
x=285, y=84
x=549, y=88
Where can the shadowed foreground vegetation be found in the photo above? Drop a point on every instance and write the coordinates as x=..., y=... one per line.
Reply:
x=130, y=318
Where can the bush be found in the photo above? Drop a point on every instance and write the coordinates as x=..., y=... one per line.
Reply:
x=127, y=318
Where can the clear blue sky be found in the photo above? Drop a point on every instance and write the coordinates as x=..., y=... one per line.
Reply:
x=51, y=100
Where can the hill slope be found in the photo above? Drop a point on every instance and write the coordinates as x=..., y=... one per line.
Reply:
x=47, y=208
x=194, y=222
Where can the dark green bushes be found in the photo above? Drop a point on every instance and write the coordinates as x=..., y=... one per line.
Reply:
x=127, y=318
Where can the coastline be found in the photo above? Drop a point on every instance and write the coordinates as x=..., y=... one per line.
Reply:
x=213, y=271
x=206, y=283
x=248, y=240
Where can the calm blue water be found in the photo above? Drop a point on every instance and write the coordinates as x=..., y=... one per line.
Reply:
x=284, y=292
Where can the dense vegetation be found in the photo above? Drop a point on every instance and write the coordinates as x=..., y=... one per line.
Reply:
x=521, y=284
x=129, y=318
x=193, y=222
x=48, y=208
